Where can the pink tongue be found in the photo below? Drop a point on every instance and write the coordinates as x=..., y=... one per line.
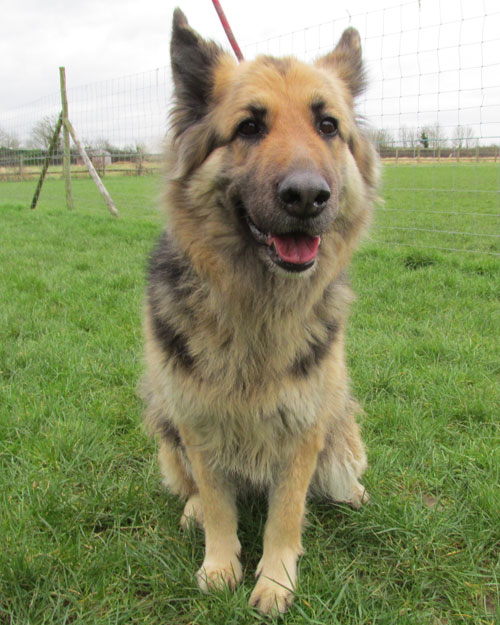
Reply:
x=296, y=248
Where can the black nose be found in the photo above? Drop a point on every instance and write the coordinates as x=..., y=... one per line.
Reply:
x=304, y=193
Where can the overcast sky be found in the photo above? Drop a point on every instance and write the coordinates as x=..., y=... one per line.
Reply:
x=437, y=60
x=101, y=39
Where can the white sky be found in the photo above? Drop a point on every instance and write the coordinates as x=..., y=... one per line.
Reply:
x=98, y=39
x=439, y=63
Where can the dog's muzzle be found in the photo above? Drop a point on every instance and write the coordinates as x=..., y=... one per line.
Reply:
x=292, y=233
x=304, y=194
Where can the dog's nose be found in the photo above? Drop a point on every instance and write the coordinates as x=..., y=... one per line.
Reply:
x=304, y=193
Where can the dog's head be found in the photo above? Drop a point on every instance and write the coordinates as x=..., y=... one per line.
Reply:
x=271, y=147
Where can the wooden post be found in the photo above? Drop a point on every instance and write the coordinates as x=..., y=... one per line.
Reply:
x=139, y=161
x=46, y=163
x=66, y=153
x=21, y=168
x=92, y=171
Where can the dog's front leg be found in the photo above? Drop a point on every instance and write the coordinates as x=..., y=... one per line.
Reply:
x=221, y=565
x=277, y=568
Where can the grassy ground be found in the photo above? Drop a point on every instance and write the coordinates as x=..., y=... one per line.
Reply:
x=444, y=205
x=89, y=536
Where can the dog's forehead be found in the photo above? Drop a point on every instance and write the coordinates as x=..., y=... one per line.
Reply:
x=278, y=83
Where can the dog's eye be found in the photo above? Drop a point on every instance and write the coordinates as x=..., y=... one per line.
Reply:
x=328, y=126
x=249, y=128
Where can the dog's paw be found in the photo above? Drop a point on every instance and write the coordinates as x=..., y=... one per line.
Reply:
x=217, y=576
x=271, y=597
x=193, y=512
x=359, y=497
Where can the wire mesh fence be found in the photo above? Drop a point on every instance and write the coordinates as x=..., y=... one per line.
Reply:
x=432, y=107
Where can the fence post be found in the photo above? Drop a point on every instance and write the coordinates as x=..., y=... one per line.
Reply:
x=66, y=153
x=95, y=176
x=48, y=156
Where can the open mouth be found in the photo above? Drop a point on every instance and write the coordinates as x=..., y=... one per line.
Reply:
x=293, y=251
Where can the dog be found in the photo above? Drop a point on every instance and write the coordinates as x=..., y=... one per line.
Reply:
x=270, y=184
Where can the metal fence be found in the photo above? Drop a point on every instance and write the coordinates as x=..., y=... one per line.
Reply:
x=433, y=108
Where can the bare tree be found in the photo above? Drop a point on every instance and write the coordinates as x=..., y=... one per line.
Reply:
x=381, y=137
x=8, y=140
x=463, y=137
x=408, y=137
x=42, y=132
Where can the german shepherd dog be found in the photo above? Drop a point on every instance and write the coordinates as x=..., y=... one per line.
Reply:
x=270, y=183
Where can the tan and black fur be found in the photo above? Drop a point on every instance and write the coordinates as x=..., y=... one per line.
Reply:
x=246, y=383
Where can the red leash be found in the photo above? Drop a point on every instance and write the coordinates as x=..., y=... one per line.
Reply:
x=227, y=29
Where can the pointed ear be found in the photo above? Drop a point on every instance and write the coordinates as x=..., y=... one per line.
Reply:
x=193, y=61
x=347, y=62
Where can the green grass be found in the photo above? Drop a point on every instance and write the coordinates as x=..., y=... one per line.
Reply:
x=132, y=195
x=452, y=205
x=88, y=535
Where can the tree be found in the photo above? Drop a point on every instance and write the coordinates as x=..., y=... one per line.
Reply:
x=42, y=132
x=432, y=137
x=381, y=137
x=408, y=137
x=8, y=140
x=463, y=137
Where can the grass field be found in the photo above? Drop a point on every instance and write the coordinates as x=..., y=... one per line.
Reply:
x=88, y=535
x=447, y=205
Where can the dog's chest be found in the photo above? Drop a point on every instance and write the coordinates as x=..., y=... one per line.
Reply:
x=245, y=402
x=252, y=441
x=255, y=353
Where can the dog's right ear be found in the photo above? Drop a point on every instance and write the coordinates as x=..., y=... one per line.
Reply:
x=193, y=61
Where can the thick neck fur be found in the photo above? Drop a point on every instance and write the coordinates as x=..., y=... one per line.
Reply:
x=247, y=329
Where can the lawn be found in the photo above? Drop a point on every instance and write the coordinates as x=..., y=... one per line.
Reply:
x=443, y=205
x=88, y=534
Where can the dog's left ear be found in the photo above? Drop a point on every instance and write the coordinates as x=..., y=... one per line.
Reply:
x=193, y=60
x=347, y=62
